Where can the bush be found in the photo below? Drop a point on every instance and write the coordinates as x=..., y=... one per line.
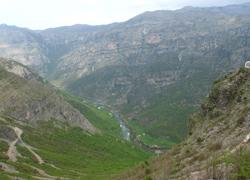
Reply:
x=214, y=146
x=149, y=178
x=199, y=140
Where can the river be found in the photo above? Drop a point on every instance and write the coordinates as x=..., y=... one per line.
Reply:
x=124, y=128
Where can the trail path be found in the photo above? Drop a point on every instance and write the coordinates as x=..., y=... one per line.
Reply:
x=12, y=152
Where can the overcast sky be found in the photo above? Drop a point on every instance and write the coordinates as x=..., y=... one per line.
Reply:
x=41, y=14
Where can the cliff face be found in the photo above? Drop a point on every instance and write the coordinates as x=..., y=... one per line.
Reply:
x=26, y=98
x=219, y=138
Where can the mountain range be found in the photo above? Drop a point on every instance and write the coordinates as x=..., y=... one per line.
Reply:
x=97, y=102
x=154, y=68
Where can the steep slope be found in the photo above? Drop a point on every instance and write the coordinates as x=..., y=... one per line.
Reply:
x=29, y=100
x=218, y=146
x=47, y=134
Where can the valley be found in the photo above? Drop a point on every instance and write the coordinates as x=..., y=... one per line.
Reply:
x=154, y=69
x=161, y=96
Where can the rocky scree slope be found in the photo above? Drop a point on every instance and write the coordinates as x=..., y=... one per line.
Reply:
x=218, y=146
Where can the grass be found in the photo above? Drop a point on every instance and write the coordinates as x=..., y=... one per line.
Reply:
x=147, y=139
x=241, y=163
x=3, y=148
x=97, y=156
x=110, y=125
x=100, y=118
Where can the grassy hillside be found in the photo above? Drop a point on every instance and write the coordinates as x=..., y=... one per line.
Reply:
x=74, y=153
x=102, y=119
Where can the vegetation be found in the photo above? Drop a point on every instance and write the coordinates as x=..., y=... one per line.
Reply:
x=241, y=163
x=78, y=154
x=72, y=152
x=99, y=117
x=218, y=143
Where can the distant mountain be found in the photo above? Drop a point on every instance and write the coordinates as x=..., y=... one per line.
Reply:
x=23, y=45
x=154, y=68
x=219, y=141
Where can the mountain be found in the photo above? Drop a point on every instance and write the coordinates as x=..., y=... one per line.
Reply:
x=48, y=134
x=218, y=145
x=24, y=46
x=154, y=68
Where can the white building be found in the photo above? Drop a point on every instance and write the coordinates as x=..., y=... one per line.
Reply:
x=247, y=64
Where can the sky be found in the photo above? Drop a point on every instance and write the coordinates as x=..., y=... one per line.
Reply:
x=42, y=14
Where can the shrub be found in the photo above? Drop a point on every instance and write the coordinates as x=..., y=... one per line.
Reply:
x=199, y=140
x=241, y=120
x=147, y=171
x=149, y=178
